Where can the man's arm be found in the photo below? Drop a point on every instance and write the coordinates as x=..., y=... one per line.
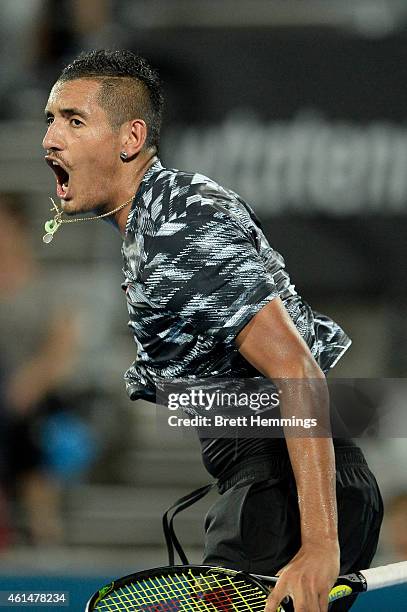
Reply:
x=47, y=367
x=272, y=344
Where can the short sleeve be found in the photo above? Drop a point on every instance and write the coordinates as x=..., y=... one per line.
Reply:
x=205, y=267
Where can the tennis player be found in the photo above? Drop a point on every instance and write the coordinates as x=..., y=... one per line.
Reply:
x=208, y=296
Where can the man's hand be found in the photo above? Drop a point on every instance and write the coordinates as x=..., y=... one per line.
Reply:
x=307, y=579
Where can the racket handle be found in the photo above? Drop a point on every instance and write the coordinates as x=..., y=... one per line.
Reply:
x=387, y=575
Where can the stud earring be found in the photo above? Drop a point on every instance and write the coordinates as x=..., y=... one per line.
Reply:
x=123, y=155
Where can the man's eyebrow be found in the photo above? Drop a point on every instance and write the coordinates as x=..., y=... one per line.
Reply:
x=68, y=112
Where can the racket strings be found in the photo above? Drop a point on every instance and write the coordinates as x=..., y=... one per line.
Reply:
x=186, y=592
x=158, y=605
x=220, y=602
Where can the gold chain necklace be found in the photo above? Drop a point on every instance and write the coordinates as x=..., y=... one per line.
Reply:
x=54, y=224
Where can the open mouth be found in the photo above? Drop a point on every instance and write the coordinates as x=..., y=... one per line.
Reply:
x=61, y=175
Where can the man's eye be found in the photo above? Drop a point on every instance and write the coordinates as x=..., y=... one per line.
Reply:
x=49, y=120
x=76, y=122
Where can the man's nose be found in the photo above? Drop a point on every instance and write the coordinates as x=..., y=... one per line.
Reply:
x=53, y=140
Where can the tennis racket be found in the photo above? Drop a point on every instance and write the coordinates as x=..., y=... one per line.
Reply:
x=185, y=588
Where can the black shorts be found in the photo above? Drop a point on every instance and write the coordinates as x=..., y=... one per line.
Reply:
x=255, y=527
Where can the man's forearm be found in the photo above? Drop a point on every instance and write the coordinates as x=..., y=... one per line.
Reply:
x=312, y=458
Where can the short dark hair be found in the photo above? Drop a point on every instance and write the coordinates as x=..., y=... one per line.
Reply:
x=130, y=87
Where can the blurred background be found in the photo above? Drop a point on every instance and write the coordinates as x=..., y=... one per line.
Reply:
x=299, y=106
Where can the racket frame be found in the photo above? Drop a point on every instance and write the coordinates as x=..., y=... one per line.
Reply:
x=258, y=581
x=344, y=586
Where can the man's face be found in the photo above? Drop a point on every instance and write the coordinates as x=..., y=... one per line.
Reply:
x=82, y=149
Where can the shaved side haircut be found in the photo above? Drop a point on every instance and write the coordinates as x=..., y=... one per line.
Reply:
x=130, y=88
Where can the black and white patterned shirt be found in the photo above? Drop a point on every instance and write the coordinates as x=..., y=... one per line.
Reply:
x=197, y=267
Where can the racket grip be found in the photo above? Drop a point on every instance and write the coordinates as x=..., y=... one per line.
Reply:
x=388, y=575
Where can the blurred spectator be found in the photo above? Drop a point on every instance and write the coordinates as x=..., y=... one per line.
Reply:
x=19, y=21
x=396, y=526
x=38, y=342
x=51, y=32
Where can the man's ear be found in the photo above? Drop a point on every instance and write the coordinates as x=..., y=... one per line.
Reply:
x=134, y=137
